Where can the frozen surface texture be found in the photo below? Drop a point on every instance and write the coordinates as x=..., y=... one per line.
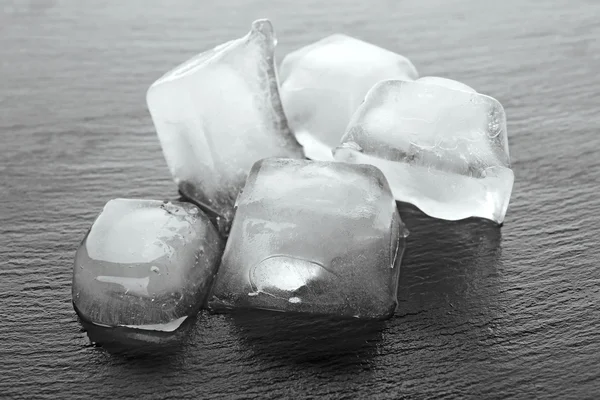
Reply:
x=322, y=85
x=314, y=237
x=145, y=265
x=442, y=146
x=217, y=114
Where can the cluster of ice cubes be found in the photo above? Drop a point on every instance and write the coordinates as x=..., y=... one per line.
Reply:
x=268, y=228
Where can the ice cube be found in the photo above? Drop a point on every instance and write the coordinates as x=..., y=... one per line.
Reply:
x=145, y=265
x=322, y=84
x=442, y=146
x=217, y=114
x=314, y=237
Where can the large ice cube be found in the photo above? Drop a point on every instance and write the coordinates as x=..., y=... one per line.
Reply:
x=442, y=146
x=322, y=85
x=314, y=237
x=145, y=265
x=217, y=114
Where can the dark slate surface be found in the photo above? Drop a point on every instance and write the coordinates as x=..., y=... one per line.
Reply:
x=484, y=312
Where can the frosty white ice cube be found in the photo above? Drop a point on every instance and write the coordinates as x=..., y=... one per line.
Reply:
x=322, y=84
x=313, y=237
x=442, y=146
x=217, y=114
x=145, y=265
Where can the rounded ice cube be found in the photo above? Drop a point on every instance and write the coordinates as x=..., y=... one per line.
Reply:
x=217, y=114
x=442, y=146
x=145, y=265
x=313, y=237
x=323, y=83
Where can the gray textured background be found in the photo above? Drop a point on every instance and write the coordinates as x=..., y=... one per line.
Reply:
x=483, y=312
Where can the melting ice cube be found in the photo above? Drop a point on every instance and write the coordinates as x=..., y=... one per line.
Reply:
x=217, y=114
x=324, y=83
x=442, y=146
x=315, y=237
x=145, y=265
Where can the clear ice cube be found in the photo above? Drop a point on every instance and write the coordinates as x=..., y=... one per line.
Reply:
x=322, y=84
x=145, y=265
x=442, y=146
x=217, y=114
x=313, y=237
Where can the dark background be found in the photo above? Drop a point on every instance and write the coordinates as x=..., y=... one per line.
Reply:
x=484, y=312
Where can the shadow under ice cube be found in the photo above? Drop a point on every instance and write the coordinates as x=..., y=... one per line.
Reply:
x=312, y=237
x=144, y=267
x=217, y=114
x=442, y=146
x=323, y=84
